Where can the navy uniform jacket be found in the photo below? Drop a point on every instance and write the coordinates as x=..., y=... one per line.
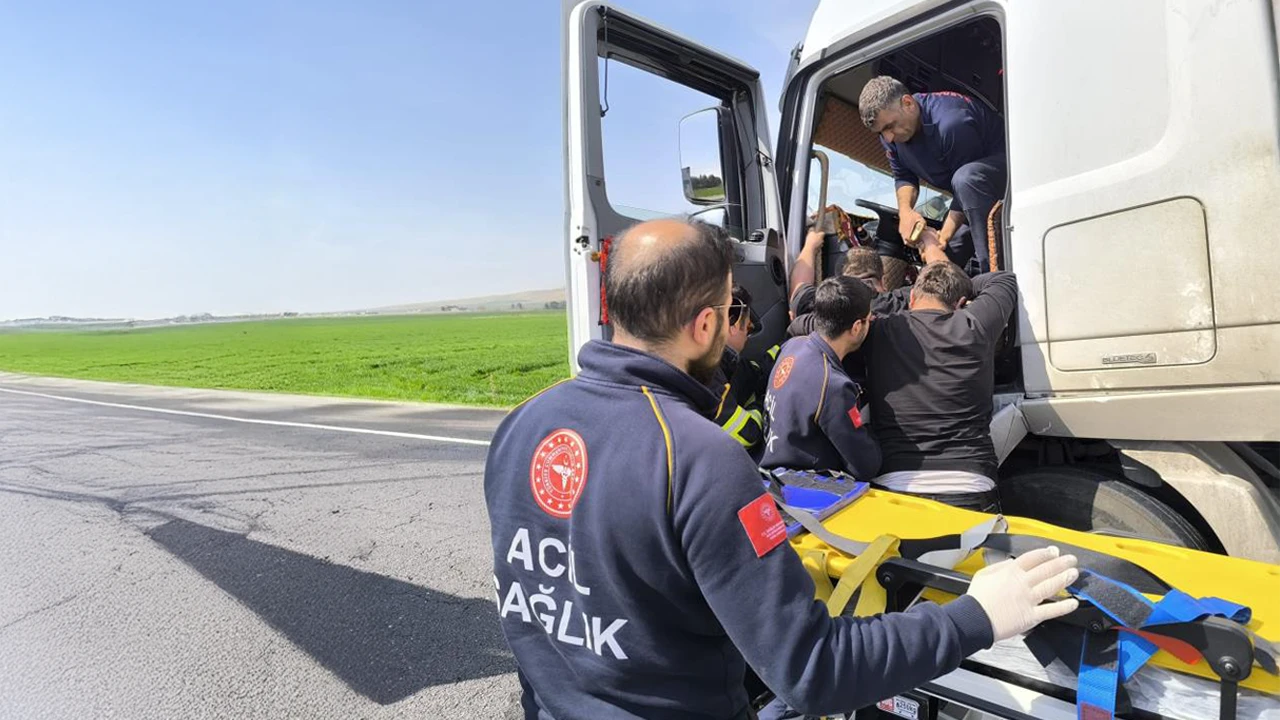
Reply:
x=882, y=305
x=954, y=130
x=814, y=422
x=638, y=561
x=740, y=382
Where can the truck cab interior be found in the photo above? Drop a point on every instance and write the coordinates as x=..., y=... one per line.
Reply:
x=849, y=173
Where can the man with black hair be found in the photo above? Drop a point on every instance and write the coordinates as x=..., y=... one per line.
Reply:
x=931, y=375
x=739, y=381
x=950, y=141
x=860, y=262
x=639, y=564
x=814, y=422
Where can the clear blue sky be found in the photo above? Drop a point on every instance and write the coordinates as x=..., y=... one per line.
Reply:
x=163, y=158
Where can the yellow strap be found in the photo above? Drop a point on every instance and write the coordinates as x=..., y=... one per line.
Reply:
x=860, y=570
x=815, y=561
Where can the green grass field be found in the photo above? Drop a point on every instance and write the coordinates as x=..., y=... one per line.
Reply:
x=475, y=359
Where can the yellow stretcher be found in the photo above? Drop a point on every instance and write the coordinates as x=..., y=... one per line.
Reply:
x=880, y=517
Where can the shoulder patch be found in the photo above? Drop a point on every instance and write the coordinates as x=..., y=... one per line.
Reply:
x=558, y=472
x=763, y=523
x=783, y=372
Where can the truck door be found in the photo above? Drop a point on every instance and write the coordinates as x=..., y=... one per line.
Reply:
x=1142, y=155
x=712, y=131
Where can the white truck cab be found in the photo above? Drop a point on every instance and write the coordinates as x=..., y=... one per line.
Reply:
x=1141, y=390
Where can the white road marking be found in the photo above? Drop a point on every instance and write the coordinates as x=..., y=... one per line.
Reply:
x=254, y=421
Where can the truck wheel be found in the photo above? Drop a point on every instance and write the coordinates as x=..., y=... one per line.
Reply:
x=1093, y=501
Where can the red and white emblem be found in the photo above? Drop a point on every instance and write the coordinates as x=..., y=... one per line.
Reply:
x=558, y=472
x=783, y=372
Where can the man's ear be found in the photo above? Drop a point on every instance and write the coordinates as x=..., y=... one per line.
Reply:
x=911, y=299
x=963, y=301
x=704, y=326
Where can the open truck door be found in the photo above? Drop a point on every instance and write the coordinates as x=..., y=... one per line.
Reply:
x=724, y=175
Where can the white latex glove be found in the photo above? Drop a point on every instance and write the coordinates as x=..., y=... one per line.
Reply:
x=1011, y=592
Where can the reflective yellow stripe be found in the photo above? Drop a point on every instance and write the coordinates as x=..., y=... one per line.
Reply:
x=666, y=437
x=735, y=424
x=773, y=351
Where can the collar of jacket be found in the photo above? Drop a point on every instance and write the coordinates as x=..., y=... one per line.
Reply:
x=826, y=349
x=729, y=362
x=611, y=363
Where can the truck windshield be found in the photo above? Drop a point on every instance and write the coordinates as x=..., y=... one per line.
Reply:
x=851, y=181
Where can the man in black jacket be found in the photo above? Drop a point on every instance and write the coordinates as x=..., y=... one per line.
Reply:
x=930, y=375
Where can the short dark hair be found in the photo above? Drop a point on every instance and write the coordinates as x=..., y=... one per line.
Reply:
x=945, y=281
x=652, y=298
x=863, y=263
x=840, y=302
x=878, y=94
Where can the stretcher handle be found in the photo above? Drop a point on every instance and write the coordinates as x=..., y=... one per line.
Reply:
x=1224, y=644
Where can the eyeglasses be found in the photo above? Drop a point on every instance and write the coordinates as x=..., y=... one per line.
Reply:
x=738, y=309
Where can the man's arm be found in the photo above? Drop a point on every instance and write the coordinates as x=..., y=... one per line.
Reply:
x=841, y=422
x=817, y=664
x=955, y=218
x=804, y=273
x=746, y=425
x=903, y=177
x=995, y=298
x=906, y=188
x=907, y=215
x=931, y=247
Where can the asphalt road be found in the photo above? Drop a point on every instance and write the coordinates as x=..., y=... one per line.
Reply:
x=173, y=553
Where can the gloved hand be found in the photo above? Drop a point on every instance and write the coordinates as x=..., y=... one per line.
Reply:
x=1011, y=591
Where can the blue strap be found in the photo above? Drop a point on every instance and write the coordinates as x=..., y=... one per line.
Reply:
x=1103, y=669
x=1099, y=677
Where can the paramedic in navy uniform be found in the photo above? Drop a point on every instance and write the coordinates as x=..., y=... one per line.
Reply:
x=950, y=141
x=639, y=565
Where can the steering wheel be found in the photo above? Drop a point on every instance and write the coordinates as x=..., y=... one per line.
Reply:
x=888, y=242
x=889, y=214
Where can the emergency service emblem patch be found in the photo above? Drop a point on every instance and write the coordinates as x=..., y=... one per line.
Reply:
x=763, y=523
x=783, y=372
x=558, y=472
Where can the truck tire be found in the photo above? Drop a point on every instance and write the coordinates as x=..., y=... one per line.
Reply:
x=1091, y=501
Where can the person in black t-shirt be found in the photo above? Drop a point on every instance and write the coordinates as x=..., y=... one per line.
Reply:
x=931, y=374
x=860, y=262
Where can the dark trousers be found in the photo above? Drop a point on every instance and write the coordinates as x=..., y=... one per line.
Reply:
x=976, y=187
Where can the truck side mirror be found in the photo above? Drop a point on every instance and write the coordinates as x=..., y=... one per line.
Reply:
x=702, y=166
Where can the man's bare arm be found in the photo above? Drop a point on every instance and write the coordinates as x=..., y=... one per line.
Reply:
x=803, y=272
x=931, y=247
x=907, y=215
x=949, y=227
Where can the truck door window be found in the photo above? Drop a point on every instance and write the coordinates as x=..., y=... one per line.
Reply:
x=639, y=134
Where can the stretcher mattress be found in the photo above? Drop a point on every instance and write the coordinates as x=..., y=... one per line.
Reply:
x=1166, y=682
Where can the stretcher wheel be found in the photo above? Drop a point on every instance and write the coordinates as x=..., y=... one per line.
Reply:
x=1092, y=501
